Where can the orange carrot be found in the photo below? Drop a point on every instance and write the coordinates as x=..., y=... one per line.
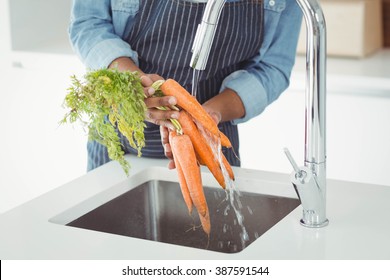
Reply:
x=185, y=155
x=182, y=181
x=200, y=160
x=205, y=221
x=189, y=103
x=225, y=140
x=203, y=150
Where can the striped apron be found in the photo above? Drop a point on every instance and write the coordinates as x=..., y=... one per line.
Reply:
x=163, y=35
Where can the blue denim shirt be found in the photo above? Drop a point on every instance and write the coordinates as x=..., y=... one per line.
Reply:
x=97, y=29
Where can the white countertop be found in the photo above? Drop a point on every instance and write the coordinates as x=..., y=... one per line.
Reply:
x=359, y=224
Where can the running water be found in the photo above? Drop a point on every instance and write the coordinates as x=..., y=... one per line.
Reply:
x=232, y=193
x=195, y=82
x=232, y=196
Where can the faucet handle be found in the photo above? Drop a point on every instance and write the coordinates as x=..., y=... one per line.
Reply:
x=291, y=159
x=300, y=174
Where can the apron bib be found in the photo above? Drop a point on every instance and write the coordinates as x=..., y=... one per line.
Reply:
x=163, y=35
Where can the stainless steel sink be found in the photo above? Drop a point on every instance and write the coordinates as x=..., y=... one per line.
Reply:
x=155, y=210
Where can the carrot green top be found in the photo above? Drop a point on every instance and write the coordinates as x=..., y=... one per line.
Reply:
x=108, y=99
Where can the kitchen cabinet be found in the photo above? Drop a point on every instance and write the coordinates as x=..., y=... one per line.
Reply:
x=356, y=23
x=36, y=33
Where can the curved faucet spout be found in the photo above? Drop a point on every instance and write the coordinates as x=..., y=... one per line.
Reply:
x=312, y=193
x=310, y=180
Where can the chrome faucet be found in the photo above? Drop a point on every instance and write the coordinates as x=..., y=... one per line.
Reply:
x=309, y=181
x=204, y=36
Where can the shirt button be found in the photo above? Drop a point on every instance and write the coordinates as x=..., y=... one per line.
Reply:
x=271, y=3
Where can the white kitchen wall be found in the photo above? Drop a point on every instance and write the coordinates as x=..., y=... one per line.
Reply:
x=358, y=135
x=36, y=154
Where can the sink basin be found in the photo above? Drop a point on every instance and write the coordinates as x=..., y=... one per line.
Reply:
x=155, y=210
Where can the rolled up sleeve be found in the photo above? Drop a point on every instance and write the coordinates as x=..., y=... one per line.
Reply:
x=251, y=91
x=92, y=35
x=104, y=52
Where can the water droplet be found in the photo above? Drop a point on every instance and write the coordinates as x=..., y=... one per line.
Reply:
x=224, y=229
x=225, y=213
x=237, y=227
x=240, y=219
x=244, y=235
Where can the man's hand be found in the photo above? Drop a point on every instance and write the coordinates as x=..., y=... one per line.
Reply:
x=153, y=115
x=164, y=131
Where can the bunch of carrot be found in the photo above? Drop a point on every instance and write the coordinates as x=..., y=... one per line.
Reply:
x=193, y=144
x=119, y=95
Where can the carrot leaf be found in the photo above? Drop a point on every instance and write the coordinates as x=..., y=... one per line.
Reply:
x=105, y=101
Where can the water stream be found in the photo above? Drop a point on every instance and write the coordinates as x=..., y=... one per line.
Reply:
x=234, y=203
x=231, y=202
x=232, y=193
x=195, y=82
